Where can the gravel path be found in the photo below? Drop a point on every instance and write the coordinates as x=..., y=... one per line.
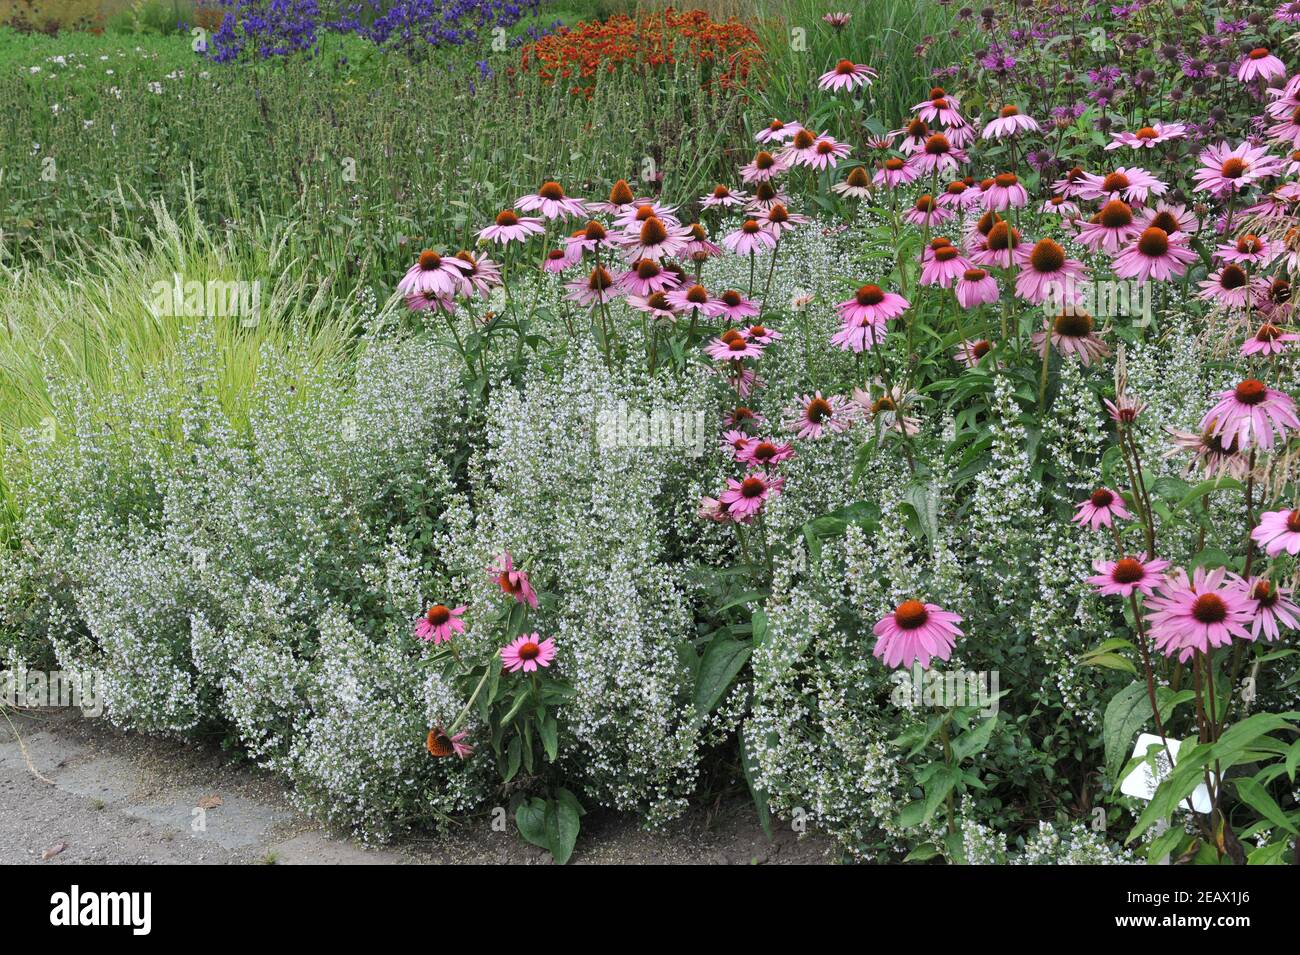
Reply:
x=75, y=790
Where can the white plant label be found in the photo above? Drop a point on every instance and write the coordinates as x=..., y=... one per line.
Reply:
x=1142, y=783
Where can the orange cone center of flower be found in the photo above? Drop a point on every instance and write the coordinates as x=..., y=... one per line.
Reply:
x=752, y=487
x=731, y=335
x=883, y=403
x=1293, y=522
x=1146, y=132
x=659, y=302
x=1233, y=168
x=621, y=194
x=778, y=213
x=803, y=139
x=974, y=275
x=1249, y=244
x=956, y=188
x=1127, y=571
x=1073, y=324
x=1101, y=498
x=507, y=585
x=529, y=651
x=1209, y=608
x=844, y=66
x=870, y=295
x=938, y=145
x=1166, y=221
x=653, y=231
x=1115, y=182
x=1115, y=215
x=980, y=348
x=1006, y=111
x=757, y=331
x=764, y=451
x=438, y=744
x=1232, y=277
x=430, y=260
x=911, y=614
x=894, y=164
x=945, y=253
x=600, y=280
x=741, y=414
x=764, y=160
x=1153, y=242
x=438, y=615
x=731, y=298
x=937, y=92
x=824, y=148
x=594, y=231
x=751, y=226
x=1258, y=53
x=1250, y=392
x=1047, y=256
x=1268, y=333
x=857, y=178
x=924, y=204
x=507, y=217
x=939, y=102
x=697, y=294
x=819, y=409
x=917, y=129
x=1263, y=592
x=1005, y=179
x=551, y=190
x=1002, y=237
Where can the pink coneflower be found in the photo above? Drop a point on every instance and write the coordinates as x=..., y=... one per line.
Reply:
x=999, y=247
x=1251, y=415
x=778, y=220
x=1071, y=333
x=942, y=265
x=837, y=21
x=743, y=417
x=1110, y=229
x=846, y=75
x=916, y=632
x=937, y=155
x=1004, y=192
x=1225, y=172
x=480, y=274
x=941, y=108
x=1100, y=510
x=971, y=351
x=621, y=198
x=764, y=165
x=1045, y=271
x=1287, y=131
x=698, y=247
x=1120, y=578
x=888, y=408
x=1132, y=185
x=1172, y=218
x=735, y=306
x=926, y=212
x=1148, y=137
x=551, y=202
x=513, y=581
x=420, y=302
x=733, y=349
x=1269, y=340
x=914, y=135
x=856, y=185
x=766, y=195
x=590, y=238
x=1214, y=455
x=656, y=239
x=1231, y=287
x=777, y=131
x=1271, y=606
x=1061, y=206
x=433, y=275
x=656, y=304
x=1278, y=531
x=527, y=652
x=1206, y=611
x=511, y=227
x=684, y=298
x=639, y=212
x=761, y=334
x=817, y=152
x=1124, y=409
x=1069, y=184
x=746, y=497
x=874, y=303
x=734, y=443
x=762, y=453
x=439, y=744
x=557, y=260
x=439, y=623
x=976, y=287
x=711, y=509
x=817, y=417
x=749, y=239
x=894, y=172
x=1248, y=249
x=1009, y=122
x=1154, y=254
x=596, y=289
x=858, y=335
x=1260, y=64
x=959, y=195
x=647, y=277
x=723, y=197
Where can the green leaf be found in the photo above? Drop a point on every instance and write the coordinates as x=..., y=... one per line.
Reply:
x=530, y=817
x=1126, y=713
x=749, y=767
x=758, y=627
x=968, y=744
x=1257, y=797
x=723, y=659
x=563, y=822
x=922, y=853
x=549, y=731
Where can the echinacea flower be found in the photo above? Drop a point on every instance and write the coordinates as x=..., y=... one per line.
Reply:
x=971, y=351
x=1071, y=333
x=1154, y=254
x=976, y=287
x=749, y=239
x=596, y=289
x=958, y=194
x=656, y=304
x=816, y=152
x=734, y=348
x=764, y=166
x=723, y=197
x=937, y=155
x=1124, y=410
x=942, y=266
x=1009, y=122
x=733, y=306
x=1132, y=185
x=999, y=248
x=433, y=275
x=925, y=212
x=746, y=497
x=777, y=131
x=1278, y=531
x=1110, y=229
x=1100, y=510
x=940, y=109
x=1247, y=249
x=480, y=274
x=1004, y=192
x=1172, y=218
x=551, y=202
x=856, y=185
x=511, y=227
x=817, y=417
x=655, y=239
x=711, y=509
x=846, y=75
x=684, y=298
x=1269, y=340
x=762, y=334
x=888, y=408
x=916, y=632
x=1215, y=456
x=1225, y=172
x=1128, y=574
x=1271, y=606
x=1205, y=611
x=513, y=581
x=894, y=172
x=527, y=652
x=1252, y=415
x=439, y=744
x=1230, y=286
x=1046, y=272
x=779, y=220
x=762, y=453
x=439, y=623
x=873, y=303
x=742, y=417
x=1260, y=64
x=647, y=277
x=1061, y=206
x=1148, y=137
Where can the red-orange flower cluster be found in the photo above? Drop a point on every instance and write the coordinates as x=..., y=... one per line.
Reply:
x=655, y=40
